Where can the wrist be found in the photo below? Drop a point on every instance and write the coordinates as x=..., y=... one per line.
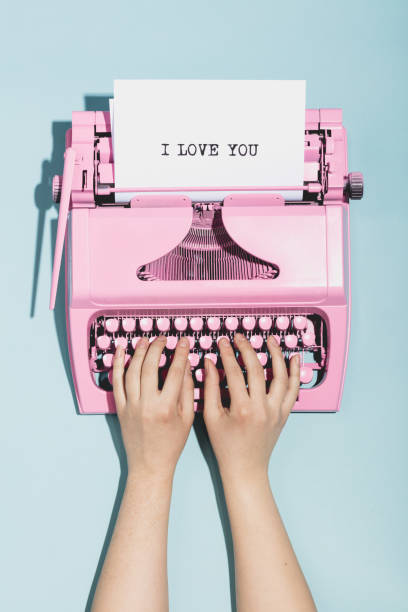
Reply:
x=248, y=479
x=151, y=478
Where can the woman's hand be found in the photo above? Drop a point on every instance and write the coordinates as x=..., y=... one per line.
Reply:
x=268, y=575
x=244, y=435
x=155, y=424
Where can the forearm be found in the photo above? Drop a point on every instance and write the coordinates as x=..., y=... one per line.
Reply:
x=134, y=575
x=268, y=576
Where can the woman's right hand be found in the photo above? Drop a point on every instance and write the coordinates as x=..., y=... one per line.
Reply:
x=244, y=435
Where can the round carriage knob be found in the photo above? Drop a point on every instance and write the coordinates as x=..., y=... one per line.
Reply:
x=56, y=188
x=355, y=185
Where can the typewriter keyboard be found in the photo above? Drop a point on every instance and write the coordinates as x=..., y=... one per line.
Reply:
x=297, y=333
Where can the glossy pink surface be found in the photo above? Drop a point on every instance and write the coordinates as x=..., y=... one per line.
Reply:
x=181, y=323
x=206, y=342
x=163, y=324
x=282, y=323
x=214, y=323
x=103, y=342
x=196, y=323
x=129, y=324
x=171, y=342
x=231, y=323
x=291, y=340
x=248, y=323
x=265, y=323
x=256, y=341
x=146, y=324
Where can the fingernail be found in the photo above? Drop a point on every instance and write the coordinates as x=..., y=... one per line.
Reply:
x=273, y=341
x=119, y=352
x=297, y=358
x=223, y=341
x=239, y=337
x=143, y=341
x=183, y=342
x=221, y=338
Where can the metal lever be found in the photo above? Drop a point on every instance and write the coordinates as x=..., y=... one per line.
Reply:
x=67, y=179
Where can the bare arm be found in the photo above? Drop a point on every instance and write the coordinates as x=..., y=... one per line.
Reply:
x=155, y=426
x=268, y=576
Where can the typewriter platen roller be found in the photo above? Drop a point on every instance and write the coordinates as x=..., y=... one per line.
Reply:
x=163, y=263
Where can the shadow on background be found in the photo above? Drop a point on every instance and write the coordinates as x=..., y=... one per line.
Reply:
x=208, y=454
x=44, y=202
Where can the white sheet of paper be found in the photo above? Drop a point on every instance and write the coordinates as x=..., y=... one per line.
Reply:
x=164, y=130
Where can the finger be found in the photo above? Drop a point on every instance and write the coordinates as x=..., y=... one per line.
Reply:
x=135, y=369
x=212, y=395
x=186, y=401
x=149, y=380
x=293, y=385
x=279, y=384
x=255, y=373
x=118, y=379
x=174, y=379
x=233, y=372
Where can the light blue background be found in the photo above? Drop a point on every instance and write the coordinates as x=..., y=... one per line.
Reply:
x=340, y=480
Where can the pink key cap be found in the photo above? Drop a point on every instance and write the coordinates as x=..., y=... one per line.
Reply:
x=256, y=341
x=194, y=359
x=162, y=361
x=205, y=342
x=103, y=342
x=231, y=323
x=299, y=322
x=171, y=342
x=213, y=323
x=112, y=325
x=121, y=341
x=291, y=340
x=146, y=324
x=107, y=360
x=263, y=358
x=306, y=374
x=248, y=323
x=282, y=322
x=308, y=338
x=196, y=323
x=135, y=340
x=199, y=374
x=163, y=324
x=265, y=323
x=191, y=341
x=180, y=323
x=128, y=324
x=212, y=356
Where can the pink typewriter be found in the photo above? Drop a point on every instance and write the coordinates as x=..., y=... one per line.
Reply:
x=162, y=263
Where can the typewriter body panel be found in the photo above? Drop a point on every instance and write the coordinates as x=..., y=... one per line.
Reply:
x=163, y=263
